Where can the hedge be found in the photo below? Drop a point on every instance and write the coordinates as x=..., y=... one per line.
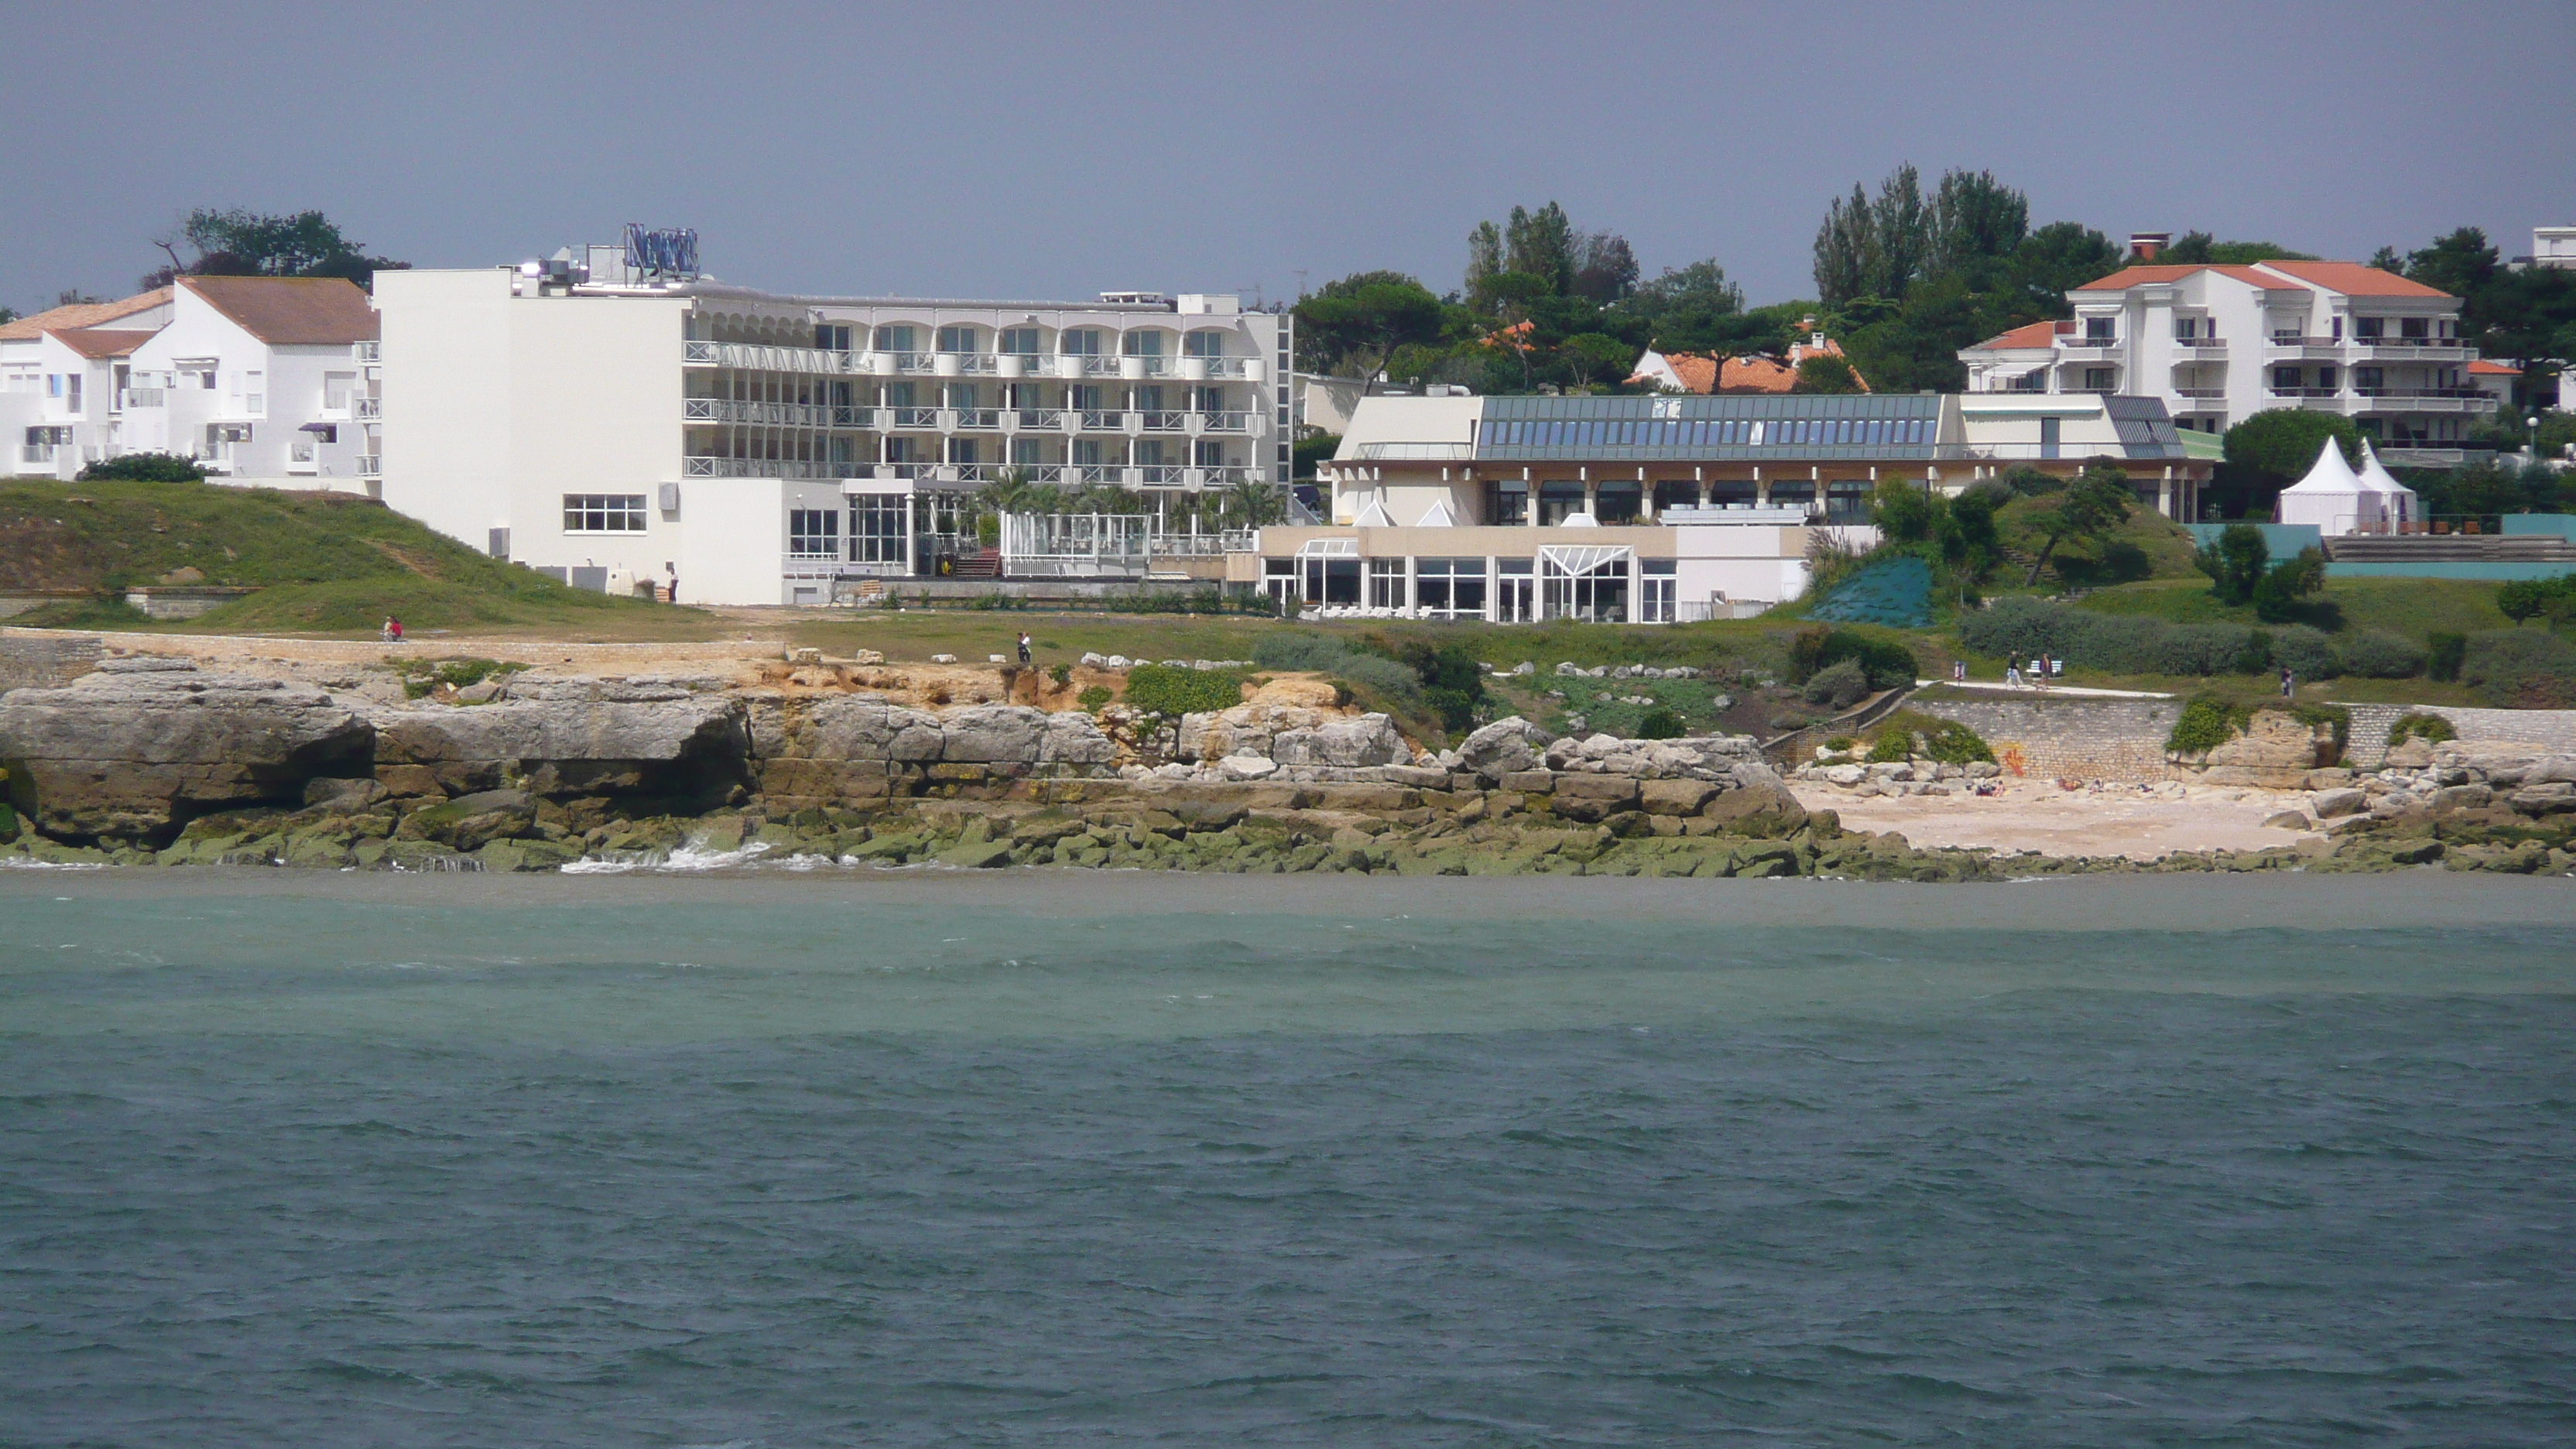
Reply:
x=2020, y=627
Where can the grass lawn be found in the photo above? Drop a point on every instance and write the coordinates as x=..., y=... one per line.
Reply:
x=2412, y=607
x=322, y=563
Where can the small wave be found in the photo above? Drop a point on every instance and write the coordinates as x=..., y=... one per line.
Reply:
x=19, y=863
x=693, y=856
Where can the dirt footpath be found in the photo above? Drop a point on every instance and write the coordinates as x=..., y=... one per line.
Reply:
x=2141, y=824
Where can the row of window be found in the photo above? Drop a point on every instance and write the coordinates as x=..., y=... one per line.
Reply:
x=1518, y=590
x=1735, y=432
x=964, y=338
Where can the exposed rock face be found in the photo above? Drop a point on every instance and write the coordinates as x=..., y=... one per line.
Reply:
x=1246, y=729
x=1371, y=739
x=2276, y=752
x=571, y=738
x=143, y=745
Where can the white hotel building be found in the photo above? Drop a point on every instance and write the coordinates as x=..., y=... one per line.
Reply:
x=2217, y=344
x=619, y=428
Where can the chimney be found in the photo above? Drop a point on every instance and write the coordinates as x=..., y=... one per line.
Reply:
x=2146, y=246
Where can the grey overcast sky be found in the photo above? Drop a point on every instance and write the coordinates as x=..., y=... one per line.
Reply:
x=1059, y=150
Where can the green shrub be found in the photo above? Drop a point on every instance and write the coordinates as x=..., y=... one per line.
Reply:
x=2521, y=669
x=1894, y=745
x=1094, y=699
x=1955, y=744
x=1839, y=685
x=1062, y=674
x=1164, y=690
x=2207, y=722
x=1887, y=663
x=421, y=676
x=1660, y=723
x=1840, y=743
x=2442, y=655
x=2430, y=728
x=2380, y=654
x=144, y=468
x=2305, y=652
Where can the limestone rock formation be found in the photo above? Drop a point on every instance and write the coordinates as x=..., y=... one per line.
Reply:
x=143, y=745
x=579, y=737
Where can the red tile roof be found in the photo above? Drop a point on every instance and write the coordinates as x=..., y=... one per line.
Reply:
x=96, y=343
x=2035, y=335
x=81, y=314
x=2484, y=368
x=2127, y=277
x=2354, y=280
x=291, y=311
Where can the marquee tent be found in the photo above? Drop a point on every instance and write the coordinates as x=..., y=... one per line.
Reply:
x=2332, y=496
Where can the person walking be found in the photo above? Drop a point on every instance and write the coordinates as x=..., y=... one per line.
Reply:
x=2289, y=683
x=2012, y=675
x=1024, y=648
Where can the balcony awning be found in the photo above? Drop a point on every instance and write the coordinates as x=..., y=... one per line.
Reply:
x=317, y=427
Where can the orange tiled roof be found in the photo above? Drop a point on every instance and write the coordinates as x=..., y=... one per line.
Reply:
x=96, y=343
x=2354, y=280
x=2484, y=368
x=291, y=311
x=81, y=314
x=1756, y=374
x=2035, y=335
x=2127, y=277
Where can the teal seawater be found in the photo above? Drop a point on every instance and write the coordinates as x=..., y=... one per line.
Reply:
x=1055, y=1159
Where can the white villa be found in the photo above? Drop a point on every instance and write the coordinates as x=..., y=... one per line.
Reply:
x=2217, y=344
x=262, y=379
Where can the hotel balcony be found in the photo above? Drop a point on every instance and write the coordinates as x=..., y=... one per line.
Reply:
x=2081, y=349
x=2211, y=348
x=2413, y=349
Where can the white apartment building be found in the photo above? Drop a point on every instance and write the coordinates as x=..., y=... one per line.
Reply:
x=263, y=380
x=2553, y=246
x=1659, y=509
x=618, y=427
x=2217, y=344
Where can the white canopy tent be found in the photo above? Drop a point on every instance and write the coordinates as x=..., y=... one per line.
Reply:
x=2398, y=503
x=2332, y=497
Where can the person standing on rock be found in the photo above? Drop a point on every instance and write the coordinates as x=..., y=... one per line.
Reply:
x=2289, y=683
x=1024, y=648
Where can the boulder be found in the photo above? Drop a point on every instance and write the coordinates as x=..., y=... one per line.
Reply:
x=2410, y=753
x=860, y=729
x=1245, y=729
x=1370, y=739
x=1675, y=797
x=1503, y=747
x=1593, y=797
x=2330, y=804
x=2275, y=752
x=143, y=745
x=992, y=734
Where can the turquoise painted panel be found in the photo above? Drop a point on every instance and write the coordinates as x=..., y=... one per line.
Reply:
x=2561, y=524
x=1896, y=593
x=2284, y=540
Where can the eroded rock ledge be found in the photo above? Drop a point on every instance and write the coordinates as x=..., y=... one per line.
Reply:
x=151, y=760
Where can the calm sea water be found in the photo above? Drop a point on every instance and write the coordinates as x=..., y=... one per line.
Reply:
x=1043, y=1159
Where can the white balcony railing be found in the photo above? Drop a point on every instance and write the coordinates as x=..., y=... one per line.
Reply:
x=974, y=418
x=1048, y=418
x=1224, y=366
x=1103, y=421
x=369, y=352
x=765, y=414
x=1164, y=422
x=914, y=417
x=974, y=363
x=1225, y=422
x=1097, y=365
x=370, y=466
x=2201, y=344
x=38, y=452
x=368, y=409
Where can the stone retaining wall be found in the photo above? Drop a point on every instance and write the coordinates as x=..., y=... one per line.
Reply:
x=2551, y=730
x=2070, y=737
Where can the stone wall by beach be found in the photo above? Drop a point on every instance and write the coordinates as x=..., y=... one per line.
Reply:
x=2069, y=736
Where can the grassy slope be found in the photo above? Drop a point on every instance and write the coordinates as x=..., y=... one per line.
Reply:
x=2413, y=607
x=2148, y=545
x=321, y=564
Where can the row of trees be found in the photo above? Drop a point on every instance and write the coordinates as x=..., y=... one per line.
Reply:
x=238, y=243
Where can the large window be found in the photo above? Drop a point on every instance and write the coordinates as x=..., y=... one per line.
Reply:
x=1386, y=583
x=1557, y=501
x=1019, y=341
x=898, y=339
x=1203, y=344
x=957, y=339
x=1579, y=583
x=1618, y=502
x=1656, y=585
x=814, y=533
x=1507, y=502
x=877, y=528
x=1449, y=588
x=603, y=513
x=1080, y=342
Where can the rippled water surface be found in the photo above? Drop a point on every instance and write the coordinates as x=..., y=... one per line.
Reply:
x=1043, y=1159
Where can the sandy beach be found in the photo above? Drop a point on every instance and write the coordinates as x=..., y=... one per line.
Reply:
x=2141, y=823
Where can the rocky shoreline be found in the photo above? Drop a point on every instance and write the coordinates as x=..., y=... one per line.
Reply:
x=155, y=761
